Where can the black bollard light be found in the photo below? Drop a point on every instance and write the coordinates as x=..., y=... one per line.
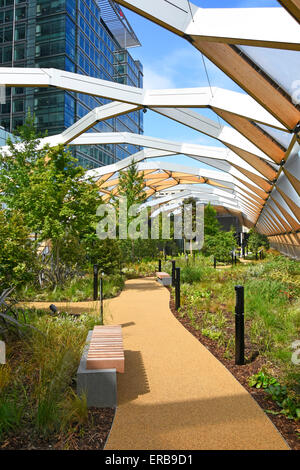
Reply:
x=159, y=265
x=54, y=309
x=239, y=327
x=101, y=299
x=173, y=272
x=215, y=262
x=235, y=260
x=177, y=288
x=96, y=268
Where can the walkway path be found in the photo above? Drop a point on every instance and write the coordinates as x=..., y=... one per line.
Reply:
x=174, y=393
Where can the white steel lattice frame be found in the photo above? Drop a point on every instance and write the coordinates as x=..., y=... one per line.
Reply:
x=257, y=172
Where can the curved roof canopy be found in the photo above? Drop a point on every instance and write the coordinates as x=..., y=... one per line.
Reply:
x=256, y=169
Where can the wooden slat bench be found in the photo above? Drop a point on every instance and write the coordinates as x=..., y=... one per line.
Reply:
x=102, y=358
x=164, y=278
x=106, y=349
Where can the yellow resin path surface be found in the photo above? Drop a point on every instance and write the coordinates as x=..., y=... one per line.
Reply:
x=174, y=394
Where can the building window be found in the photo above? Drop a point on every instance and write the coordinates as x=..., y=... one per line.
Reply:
x=19, y=52
x=71, y=8
x=7, y=54
x=18, y=106
x=50, y=48
x=8, y=35
x=70, y=66
x=20, y=32
x=47, y=7
x=20, y=13
x=17, y=122
x=54, y=29
x=51, y=62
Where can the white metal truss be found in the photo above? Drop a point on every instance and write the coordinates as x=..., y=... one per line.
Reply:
x=221, y=158
x=215, y=98
x=217, y=187
x=267, y=27
x=259, y=170
x=225, y=36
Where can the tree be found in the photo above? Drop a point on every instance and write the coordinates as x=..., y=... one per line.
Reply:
x=219, y=245
x=217, y=242
x=211, y=224
x=16, y=165
x=58, y=204
x=257, y=240
x=106, y=253
x=17, y=255
x=130, y=186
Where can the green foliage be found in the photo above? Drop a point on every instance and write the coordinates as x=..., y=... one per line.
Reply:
x=257, y=241
x=37, y=388
x=106, y=253
x=131, y=185
x=140, y=249
x=10, y=415
x=289, y=405
x=211, y=224
x=75, y=410
x=192, y=273
x=56, y=203
x=77, y=289
x=272, y=315
x=12, y=319
x=219, y=245
x=140, y=269
x=16, y=165
x=17, y=254
x=278, y=393
x=59, y=202
x=262, y=380
x=212, y=334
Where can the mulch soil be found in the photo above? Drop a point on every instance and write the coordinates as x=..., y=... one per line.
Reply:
x=91, y=436
x=289, y=429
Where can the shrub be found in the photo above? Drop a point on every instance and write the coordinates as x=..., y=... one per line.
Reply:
x=219, y=245
x=17, y=255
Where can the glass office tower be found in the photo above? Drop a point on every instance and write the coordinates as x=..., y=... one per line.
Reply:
x=83, y=36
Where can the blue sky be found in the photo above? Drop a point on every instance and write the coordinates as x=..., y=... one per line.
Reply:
x=171, y=62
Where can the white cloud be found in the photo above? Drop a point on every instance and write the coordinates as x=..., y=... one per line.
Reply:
x=183, y=68
x=156, y=80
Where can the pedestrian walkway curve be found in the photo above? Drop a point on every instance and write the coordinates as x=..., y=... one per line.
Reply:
x=174, y=393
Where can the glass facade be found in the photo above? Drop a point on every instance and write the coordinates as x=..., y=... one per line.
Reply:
x=4, y=136
x=68, y=35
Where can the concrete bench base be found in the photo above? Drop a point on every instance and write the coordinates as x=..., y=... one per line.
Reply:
x=99, y=385
x=164, y=278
